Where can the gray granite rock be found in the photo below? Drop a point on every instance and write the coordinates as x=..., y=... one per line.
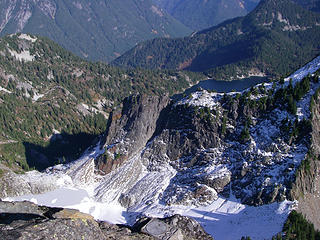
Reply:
x=25, y=220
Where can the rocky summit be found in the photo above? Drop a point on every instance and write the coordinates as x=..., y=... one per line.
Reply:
x=25, y=220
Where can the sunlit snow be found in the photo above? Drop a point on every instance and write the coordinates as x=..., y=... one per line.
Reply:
x=22, y=56
x=224, y=219
x=27, y=37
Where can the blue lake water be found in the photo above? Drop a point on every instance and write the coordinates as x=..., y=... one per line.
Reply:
x=227, y=86
x=223, y=86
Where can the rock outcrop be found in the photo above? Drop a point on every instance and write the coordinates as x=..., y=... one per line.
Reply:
x=25, y=220
x=176, y=227
x=129, y=129
x=306, y=189
x=13, y=184
x=248, y=144
x=160, y=157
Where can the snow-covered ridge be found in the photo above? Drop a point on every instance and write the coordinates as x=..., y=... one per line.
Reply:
x=309, y=68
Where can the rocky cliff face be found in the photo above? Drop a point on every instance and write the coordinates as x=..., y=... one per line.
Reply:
x=24, y=220
x=250, y=145
x=307, y=185
x=129, y=129
x=21, y=11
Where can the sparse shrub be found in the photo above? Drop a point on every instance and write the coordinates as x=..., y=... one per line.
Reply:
x=245, y=134
x=297, y=227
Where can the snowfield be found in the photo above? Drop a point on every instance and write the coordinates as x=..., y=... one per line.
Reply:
x=76, y=198
x=224, y=219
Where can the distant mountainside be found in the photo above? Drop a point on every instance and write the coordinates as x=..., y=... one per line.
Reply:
x=313, y=5
x=51, y=102
x=95, y=29
x=274, y=39
x=199, y=14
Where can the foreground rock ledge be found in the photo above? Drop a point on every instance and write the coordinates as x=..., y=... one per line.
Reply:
x=25, y=220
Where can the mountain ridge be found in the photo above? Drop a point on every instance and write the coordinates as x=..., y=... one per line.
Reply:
x=199, y=15
x=268, y=41
x=95, y=30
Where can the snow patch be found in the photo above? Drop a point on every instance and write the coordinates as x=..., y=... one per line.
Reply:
x=157, y=11
x=79, y=199
x=202, y=99
x=50, y=76
x=281, y=19
x=224, y=219
x=5, y=90
x=23, y=56
x=292, y=28
x=27, y=37
x=37, y=96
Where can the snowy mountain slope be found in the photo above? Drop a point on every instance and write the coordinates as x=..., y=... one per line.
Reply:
x=217, y=218
x=205, y=159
